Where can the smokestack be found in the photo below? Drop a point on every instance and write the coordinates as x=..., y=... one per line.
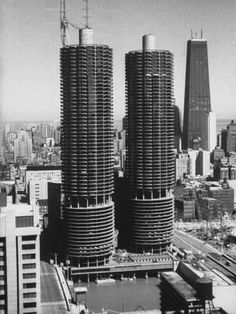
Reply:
x=148, y=42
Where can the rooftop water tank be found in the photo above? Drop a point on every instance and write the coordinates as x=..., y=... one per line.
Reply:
x=204, y=288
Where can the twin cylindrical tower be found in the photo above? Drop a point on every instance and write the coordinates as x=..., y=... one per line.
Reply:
x=87, y=148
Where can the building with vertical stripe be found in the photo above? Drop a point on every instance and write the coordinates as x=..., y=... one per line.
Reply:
x=199, y=129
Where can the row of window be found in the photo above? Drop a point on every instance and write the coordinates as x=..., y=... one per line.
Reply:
x=29, y=285
x=29, y=275
x=29, y=238
x=28, y=246
x=29, y=295
x=28, y=256
x=29, y=305
x=29, y=266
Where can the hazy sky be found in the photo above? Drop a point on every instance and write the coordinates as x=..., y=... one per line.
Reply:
x=30, y=42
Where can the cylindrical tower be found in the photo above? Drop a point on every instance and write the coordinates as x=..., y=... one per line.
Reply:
x=150, y=140
x=87, y=152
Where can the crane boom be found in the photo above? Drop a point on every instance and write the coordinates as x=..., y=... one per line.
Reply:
x=65, y=23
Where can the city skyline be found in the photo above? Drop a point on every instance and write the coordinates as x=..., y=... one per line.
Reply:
x=31, y=36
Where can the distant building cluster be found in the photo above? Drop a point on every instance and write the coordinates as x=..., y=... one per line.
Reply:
x=31, y=144
x=203, y=200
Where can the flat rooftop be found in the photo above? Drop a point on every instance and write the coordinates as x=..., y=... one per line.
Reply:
x=181, y=286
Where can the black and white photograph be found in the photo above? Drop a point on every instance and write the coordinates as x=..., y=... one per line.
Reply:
x=117, y=156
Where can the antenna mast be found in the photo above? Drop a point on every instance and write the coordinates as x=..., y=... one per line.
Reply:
x=86, y=9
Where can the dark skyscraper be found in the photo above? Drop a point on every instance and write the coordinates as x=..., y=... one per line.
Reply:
x=150, y=143
x=197, y=103
x=231, y=137
x=87, y=150
x=178, y=132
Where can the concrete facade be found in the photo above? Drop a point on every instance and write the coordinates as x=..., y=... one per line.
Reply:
x=19, y=260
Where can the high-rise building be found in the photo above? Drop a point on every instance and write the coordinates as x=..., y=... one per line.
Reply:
x=198, y=118
x=19, y=259
x=231, y=137
x=178, y=132
x=212, y=136
x=23, y=145
x=150, y=144
x=87, y=150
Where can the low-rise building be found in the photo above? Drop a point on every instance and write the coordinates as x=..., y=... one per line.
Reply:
x=210, y=208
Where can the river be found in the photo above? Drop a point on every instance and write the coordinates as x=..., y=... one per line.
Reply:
x=143, y=294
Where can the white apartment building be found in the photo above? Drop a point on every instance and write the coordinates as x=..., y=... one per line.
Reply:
x=37, y=178
x=19, y=259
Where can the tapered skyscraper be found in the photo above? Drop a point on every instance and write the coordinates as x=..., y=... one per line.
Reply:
x=87, y=150
x=198, y=119
x=150, y=143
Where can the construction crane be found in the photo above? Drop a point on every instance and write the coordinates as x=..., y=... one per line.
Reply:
x=65, y=24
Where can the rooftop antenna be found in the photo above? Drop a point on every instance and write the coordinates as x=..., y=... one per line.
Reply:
x=191, y=34
x=86, y=16
x=65, y=23
x=201, y=33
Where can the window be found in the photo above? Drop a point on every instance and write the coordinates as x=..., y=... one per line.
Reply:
x=24, y=221
x=29, y=295
x=28, y=238
x=29, y=275
x=28, y=246
x=29, y=285
x=28, y=256
x=29, y=266
x=28, y=305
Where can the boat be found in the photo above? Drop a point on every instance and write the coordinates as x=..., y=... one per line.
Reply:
x=122, y=278
x=105, y=280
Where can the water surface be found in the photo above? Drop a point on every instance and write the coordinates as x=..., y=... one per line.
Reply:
x=124, y=295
